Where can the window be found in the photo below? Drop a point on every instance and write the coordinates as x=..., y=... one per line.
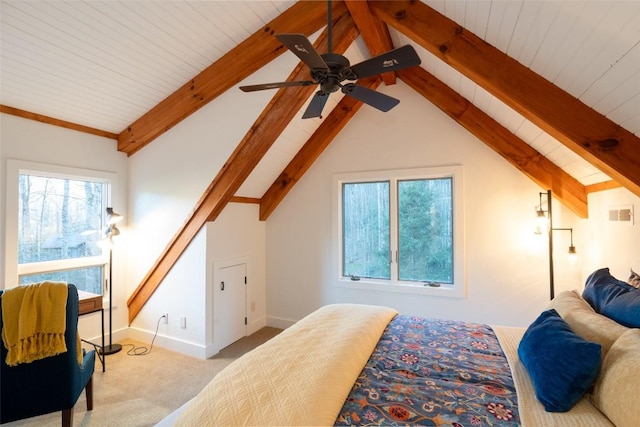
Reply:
x=365, y=230
x=58, y=222
x=401, y=230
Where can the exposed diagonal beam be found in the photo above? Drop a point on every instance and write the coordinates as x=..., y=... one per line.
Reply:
x=373, y=31
x=520, y=154
x=284, y=106
x=281, y=110
x=312, y=149
x=305, y=17
x=599, y=140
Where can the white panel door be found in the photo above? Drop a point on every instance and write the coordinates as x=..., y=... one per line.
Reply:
x=229, y=305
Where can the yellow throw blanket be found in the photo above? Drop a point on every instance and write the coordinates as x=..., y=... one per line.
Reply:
x=34, y=319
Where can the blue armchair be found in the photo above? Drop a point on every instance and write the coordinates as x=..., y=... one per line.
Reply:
x=50, y=384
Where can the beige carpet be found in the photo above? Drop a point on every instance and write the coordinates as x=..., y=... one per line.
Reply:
x=139, y=391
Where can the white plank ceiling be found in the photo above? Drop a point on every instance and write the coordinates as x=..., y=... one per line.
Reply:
x=103, y=64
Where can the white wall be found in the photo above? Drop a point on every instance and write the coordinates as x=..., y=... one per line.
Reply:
x=187, y=291
x=167, y=178
x=506, y=271
x=33, y=141
x=290, y=254
x=612, y=244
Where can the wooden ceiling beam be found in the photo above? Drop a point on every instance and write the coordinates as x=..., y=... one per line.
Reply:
x=521, y=155
x=602, y=186
x=593, y=136
x=284, y=106
x=56, y=122
x=312, y=149
x=305, y=17
x=373, y=31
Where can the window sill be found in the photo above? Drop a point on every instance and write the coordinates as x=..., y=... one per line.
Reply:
x=447, y=291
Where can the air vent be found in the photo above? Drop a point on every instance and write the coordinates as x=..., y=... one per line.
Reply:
x=622, y=214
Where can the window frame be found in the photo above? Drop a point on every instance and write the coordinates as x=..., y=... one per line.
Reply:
x=15, y=168
x=456, y=173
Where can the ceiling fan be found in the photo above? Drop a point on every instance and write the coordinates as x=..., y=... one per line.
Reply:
x=329, y=70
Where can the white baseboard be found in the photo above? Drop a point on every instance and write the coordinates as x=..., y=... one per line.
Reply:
x=256, y=324
x=168, y=343
x=189, y=348
x=253, y=327
x=280, y=322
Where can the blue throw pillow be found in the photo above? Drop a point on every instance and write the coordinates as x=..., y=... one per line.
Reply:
x=561, y=364
x=613, y=298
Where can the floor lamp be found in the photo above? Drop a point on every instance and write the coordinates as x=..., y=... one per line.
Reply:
x=546, y=216
x=111, y=232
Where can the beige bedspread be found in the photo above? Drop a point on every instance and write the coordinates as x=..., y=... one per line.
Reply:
x=532, y=413
x=303, y=376
x=300, y=377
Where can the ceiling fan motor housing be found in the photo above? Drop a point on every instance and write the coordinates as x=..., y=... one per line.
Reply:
x=338, y=71
x=335, y=61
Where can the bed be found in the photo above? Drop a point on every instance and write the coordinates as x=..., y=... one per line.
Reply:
x=351, y=364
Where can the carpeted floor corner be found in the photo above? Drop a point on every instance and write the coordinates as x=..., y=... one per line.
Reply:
x=138, y=391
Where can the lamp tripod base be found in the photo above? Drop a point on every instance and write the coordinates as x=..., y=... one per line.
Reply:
x=110, y=349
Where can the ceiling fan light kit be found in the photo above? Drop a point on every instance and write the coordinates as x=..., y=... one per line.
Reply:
x=330, y=70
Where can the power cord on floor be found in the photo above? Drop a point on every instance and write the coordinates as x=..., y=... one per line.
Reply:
x=142, y=350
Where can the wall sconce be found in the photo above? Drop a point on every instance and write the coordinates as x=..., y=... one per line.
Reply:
x=545, y=221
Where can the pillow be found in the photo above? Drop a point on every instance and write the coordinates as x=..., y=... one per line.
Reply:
x=561, y=364
x=613, y=298
x=584, y=321
x=616, y=391
x=634, y=279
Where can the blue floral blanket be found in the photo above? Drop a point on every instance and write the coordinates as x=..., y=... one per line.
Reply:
x=434, y=372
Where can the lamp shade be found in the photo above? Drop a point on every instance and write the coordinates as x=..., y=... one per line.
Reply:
x=114, y=231
x=113, y=217
x=573, y=255
x=542, y=222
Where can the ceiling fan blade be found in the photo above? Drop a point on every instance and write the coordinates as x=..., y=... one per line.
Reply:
x=253, y=88
x=316, y=105
x=376, y=99
x=300, y=45
x=396, y=59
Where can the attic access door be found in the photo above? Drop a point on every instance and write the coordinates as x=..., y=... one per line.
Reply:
x=229, y=304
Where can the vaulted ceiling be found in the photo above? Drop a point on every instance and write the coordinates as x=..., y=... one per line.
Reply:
x=552, y=86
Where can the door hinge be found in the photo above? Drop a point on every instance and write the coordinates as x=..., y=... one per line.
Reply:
x=245, y=320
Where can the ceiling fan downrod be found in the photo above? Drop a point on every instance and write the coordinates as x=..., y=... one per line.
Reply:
x=329, y=27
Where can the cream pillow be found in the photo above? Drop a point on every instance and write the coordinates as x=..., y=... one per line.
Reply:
x=616, y=390
x=584, y=321
x=634, y=279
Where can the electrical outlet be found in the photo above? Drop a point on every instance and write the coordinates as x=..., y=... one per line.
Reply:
x=165, y=318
